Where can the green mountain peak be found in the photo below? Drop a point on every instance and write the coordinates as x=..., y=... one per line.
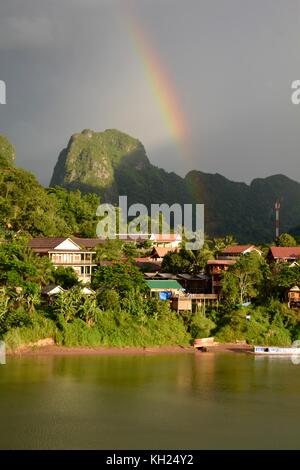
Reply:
x=91, y=159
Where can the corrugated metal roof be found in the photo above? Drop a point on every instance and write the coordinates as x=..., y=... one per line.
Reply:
x=239, y=249
x=44, y=244
x=285, y=252
x=88, y=242
x=164, y=284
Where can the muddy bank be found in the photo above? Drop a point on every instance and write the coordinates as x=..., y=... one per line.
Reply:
x=54, y=350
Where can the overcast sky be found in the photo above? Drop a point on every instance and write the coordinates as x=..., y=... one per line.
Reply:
x=71, y=64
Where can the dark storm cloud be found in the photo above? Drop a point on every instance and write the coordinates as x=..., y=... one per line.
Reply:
x=71, y=64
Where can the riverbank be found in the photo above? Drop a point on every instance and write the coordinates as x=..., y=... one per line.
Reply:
x=55, y=350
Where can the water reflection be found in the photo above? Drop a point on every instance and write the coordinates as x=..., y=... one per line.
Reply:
x=153, y=401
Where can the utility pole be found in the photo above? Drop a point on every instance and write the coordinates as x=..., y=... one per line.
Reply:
x=277, y=212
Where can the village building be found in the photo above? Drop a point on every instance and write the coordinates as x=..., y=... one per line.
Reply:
x=68, y=252
x=159, y=275
x=163, y=288
x=171, y=240
x=195, y=283
x=50, y=291
x=158, y=253
x=294, y=297
x=192, y=283
x=133, y=237
x=236, y=251
x=216, y=268
x=284, y=254
x=166, y=287
x=295, y=264
x=168, y=240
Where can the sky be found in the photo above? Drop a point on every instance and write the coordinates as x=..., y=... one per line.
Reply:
x=69, y=65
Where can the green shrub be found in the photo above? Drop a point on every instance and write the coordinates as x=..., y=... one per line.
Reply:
x=201, y=326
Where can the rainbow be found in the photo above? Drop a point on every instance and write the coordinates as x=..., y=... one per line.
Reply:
x=161, y=84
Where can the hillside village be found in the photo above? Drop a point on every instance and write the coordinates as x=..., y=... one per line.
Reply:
x=58, y=281
x=186, y=291
x=77, y=290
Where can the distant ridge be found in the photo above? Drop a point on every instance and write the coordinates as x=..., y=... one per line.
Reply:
x=111, y=163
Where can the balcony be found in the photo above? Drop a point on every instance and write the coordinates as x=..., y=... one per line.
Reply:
x=74, y=263
x=72, y=260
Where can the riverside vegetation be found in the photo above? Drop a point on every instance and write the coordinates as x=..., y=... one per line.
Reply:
x=120, y=313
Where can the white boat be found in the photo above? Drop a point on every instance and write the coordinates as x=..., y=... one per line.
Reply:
x=271, y=350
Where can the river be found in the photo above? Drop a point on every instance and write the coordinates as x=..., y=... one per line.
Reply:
x=171, y=401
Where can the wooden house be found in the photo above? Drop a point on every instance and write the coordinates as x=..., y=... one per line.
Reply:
x=236, y=251
x=216, y=267
x=68, y=252
x=284, y=254
x=294, y=297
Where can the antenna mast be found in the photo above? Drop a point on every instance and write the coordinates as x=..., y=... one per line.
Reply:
x=277, y=212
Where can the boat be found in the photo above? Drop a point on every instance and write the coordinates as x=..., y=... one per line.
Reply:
x=272, y=351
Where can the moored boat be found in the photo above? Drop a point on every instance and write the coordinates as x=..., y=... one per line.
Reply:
x=272, y=350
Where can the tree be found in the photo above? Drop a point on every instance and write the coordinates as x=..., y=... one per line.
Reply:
x=65, y=277
x=245, y=279
x=77, y=210
x=25, y=205
x=201, y=326
x=220, y=244
x=20, y=266
x=175, y=263
x=187, y=261
x=122, y=277
x=283, y=278
x=230, y=288
x=285, y=239
x=109, y=251
x=200, y=257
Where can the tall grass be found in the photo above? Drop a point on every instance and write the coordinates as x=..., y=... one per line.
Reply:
x=39, y=328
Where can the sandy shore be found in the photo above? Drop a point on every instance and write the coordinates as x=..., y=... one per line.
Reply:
x=98, y=351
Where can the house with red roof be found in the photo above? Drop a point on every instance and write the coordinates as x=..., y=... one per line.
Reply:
x=235, y=251
x=284, y=254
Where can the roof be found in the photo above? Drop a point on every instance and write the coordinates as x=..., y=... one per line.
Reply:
x=87, y=291
x=147, y=263
x=88, y=242
x=285, y=252
x=165, y=237
x=193, y=277
x=51, y=289
x=137, y=237
x=45, y=244
x=160, y=251
x=239, y=249
x=218, y=262
x=164, y=284
x=167, y=276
